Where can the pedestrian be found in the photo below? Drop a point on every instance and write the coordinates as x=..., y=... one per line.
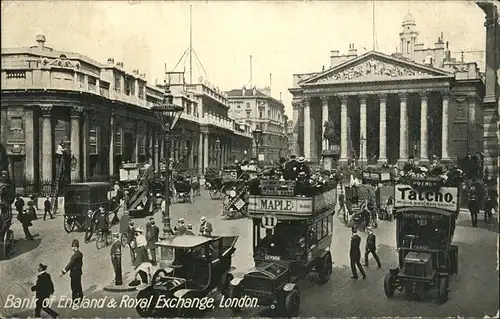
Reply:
x=189, y=230
x=124, y=222
x=32, y=210
x=473, y=195
x=25, y=219
x=180, y=229
x=47, y=208
x=19, y=204
x=113, y=207
x=43, y=289
x=205, y=227
x=152, y=234
x=355, y=255
x=116, y=259
x=342, y=207
x=371, y=247
x=75, y=270
x=131, y=241
x=126, y=200
x=141, y=256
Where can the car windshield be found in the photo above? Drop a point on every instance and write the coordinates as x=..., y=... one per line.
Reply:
x=419, y=231
x=286, y=240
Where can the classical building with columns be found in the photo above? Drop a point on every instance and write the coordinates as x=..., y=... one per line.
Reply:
x=102, y=113
x=415, y=103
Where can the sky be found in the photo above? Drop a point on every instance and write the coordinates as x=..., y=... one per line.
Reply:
x=283, y=37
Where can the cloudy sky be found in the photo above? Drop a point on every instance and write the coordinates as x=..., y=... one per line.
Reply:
x=283, y=37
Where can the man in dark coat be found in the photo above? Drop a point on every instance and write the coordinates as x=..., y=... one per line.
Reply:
x=473, y=195
x=43, y=288
x=355, y=255
x=152, y=233
x=32, y=210
x=75, y=270
x=47, y=208
x=180, y=229
x=371, y=247
x=116, y=258
x=25, y=220
x=131, y=240
x=19, y=204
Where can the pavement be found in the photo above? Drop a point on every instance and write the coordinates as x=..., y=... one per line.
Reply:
x=474, y=291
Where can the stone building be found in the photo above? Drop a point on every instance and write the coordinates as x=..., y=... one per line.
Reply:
x=257, y=108
x=417, y=102
x=100, y=112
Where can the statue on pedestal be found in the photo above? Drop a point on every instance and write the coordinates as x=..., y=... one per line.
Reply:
x=331, y=150
x=330, y=135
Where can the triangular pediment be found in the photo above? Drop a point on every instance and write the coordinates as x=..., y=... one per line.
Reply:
x=375, y=66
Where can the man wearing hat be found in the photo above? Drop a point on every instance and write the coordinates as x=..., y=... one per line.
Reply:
x=116, y=258
x=75, y=270
x=25, y=219
x=47, y=208
x=131, y=240
x=43, y=289
x=141, y=256
x=205, y=227
x=180, y=229
x=355, y=255
x=152, y=233
x=189, y=230
x=303, y=167
x=371, y=247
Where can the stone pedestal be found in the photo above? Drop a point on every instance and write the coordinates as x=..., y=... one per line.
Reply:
x=331, y=157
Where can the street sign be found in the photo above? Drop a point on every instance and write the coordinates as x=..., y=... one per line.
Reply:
x=269, y=221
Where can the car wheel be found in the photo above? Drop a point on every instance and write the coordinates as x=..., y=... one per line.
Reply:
x=389, y=285
x=443, y=290
x=143, y=310
x=69, y=224
x=292, y=303
x=325, y=269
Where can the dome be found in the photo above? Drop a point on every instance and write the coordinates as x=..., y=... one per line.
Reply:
x=408, y=18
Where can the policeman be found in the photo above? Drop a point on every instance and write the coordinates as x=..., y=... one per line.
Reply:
x=75, y=270
x=116, y=258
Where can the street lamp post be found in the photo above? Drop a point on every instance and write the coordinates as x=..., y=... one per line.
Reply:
x=257, y=133
x=217, y=153
x=167, y=114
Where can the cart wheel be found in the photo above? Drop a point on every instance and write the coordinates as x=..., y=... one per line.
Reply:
x=325, y=269
x=443, y=290
x=230, y=213
x=124, y=239
x=100, y=240
x=291, y=304
x=69, y=224
x=389, y=285
x=157, y=275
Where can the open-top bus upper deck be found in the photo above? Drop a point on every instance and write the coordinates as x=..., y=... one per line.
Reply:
x=286, y=202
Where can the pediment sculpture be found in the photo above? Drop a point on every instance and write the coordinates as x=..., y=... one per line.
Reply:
x=373, y=68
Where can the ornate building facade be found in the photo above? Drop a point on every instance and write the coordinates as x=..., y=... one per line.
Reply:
x=101, y=112
x=418, y=102
x=257, y=108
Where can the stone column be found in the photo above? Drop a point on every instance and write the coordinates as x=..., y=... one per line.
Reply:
x=200, y=154
x=87, y=117
x=296, y=107
x=424, y=98
x=150, y=144
x=362, y=129
x=205, y=151
x=75, y=113
x=307, y=128
x=444, y=131
x=111, y=154
x=403, y=128
x=136, y=147
x=325, y=118
x=29, y=138
x=47, y=147
x=343, y=129
x=382, y=158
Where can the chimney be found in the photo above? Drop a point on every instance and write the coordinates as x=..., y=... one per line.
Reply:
x=270, y=82
x=254, y=91
x=352, y=51
x=40, y=39
x=119, y=64
x=281, y=96
x=243, y=90
x=334, y=58
x=111, y=61
x=447, y=52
